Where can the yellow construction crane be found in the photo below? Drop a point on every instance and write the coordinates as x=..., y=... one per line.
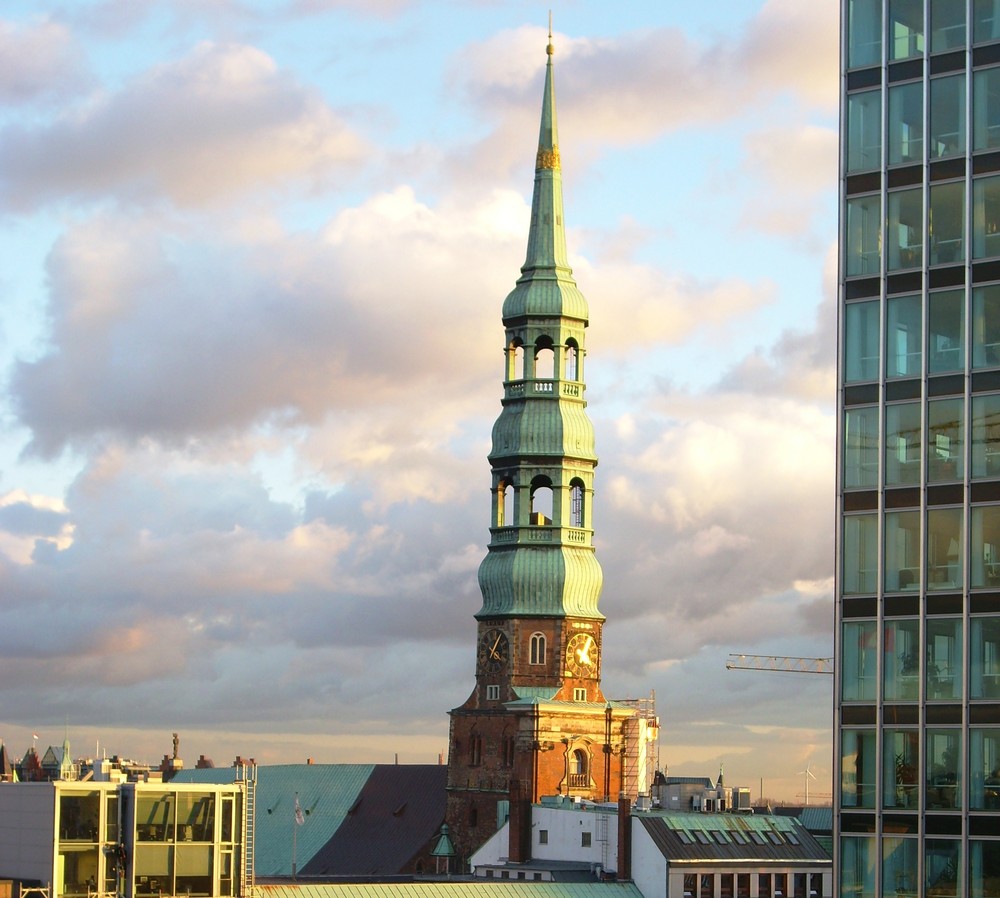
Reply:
x=780, y=663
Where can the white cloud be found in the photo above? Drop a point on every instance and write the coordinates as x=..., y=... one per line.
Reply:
x=221, y=121
x=40, y=61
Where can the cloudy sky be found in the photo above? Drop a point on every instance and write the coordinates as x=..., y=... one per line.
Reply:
x=253, y=258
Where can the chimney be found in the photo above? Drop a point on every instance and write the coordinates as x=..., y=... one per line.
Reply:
x=519, y=848
x=624, y=838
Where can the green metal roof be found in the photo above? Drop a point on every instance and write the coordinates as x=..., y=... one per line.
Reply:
x=505, y=888
x=544, y=581
x=326, y=792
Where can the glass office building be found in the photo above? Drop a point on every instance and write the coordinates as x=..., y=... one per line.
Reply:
x=917, y=700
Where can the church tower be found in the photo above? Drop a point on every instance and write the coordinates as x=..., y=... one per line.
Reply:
x=537, y=722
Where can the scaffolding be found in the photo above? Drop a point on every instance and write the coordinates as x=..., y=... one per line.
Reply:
x=641, y=732
x=247, y=775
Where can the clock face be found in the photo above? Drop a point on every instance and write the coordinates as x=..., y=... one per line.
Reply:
x=581, y=655
x=494, y=650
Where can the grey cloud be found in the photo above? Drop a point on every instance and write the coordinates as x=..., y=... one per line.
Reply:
x=25, y=519
x=41, y=61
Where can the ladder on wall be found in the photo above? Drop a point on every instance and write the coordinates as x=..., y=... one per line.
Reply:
x=602, y=837
x=247, y=774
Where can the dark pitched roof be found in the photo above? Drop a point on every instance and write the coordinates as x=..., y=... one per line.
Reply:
x=757, y=838
x=399, y=810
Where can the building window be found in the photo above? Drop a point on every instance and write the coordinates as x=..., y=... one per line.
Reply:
x=493, y=692
x=579, y=777
x=863, y=236
x=947, y=25
x=860, y=661
x=764, y=885
x=864, y=130
x=690, y=884
x=947, y=116
x=864, y=33
x=944, y=548
x=986, y=109
x=707, y=885
x=901, y=661
x=906, y=123
x=902, y=444
x=859, y=554
x=579, y=694
x=903, y=336
x=986, y=436
x=984, y=658
x=944, y=659
x=858, y=766
x=901, y=769
x=857, y=866
x=861, y=447
x=904, y=236
x=986, y=217
x=946, y=224
x=543, y=837
x=906, y=29
x=780, y=885
x=475, y=750
x=943, y=771
x=799, y=887
x=576, y=503
x=984, y=768
x=572, y=367
x=902, y=551
x=536, y=650
x=861, y=341
x=984, y=557
x=946, y=331
x=585, y=840
x=986, y=327
x=899, y=866
x=942, y=867
x=742, y=885
x=984, y=867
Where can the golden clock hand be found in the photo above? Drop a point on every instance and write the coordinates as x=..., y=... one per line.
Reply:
x=493, y=651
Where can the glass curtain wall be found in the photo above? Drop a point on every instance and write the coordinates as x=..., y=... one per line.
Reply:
x=917, y=754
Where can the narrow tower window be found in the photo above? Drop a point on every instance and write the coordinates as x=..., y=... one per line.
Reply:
x=571, y=361
x=537, y=649
x=515, y=361
x=504, y=504
x=576, y=504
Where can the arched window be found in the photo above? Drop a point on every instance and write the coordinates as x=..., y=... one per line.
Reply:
x=578, y=777
x=545, y=359
x=505, y=497
x=536, y=653
x=541, y=501
x=515, y=361
x=571, y=367
x=476, y=750
x=576, y=503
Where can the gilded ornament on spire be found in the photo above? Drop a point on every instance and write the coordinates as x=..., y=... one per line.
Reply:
x=547, y=160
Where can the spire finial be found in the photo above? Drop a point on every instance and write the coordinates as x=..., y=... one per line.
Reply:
x=550, y=49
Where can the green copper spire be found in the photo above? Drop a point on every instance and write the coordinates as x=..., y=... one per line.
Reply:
x=546, y=285
x=541, y=560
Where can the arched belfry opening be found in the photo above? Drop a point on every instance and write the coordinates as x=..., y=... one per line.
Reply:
x=541, y=501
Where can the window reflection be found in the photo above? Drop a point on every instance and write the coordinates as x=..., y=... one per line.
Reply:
x=858, y=676
x=943, y=769
x=901, y=769
x=984, y=657
x=904, y=236
x=906, y=28
x=864, y=130
x=906, y=123
x=986, y=436
x=903, y=337
x=944, y=548
x=902, y=550
x=863, y=235
x=947, y=116
x=901, y=661
x=945, y=440
x=902, y=444
x=861, y=447
x=861, y=341
x=986, y=217
x=984, y=557
x=984, y=769
x=946, y=331
x=946, y=224
x=944, y=659
x=858, y=765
